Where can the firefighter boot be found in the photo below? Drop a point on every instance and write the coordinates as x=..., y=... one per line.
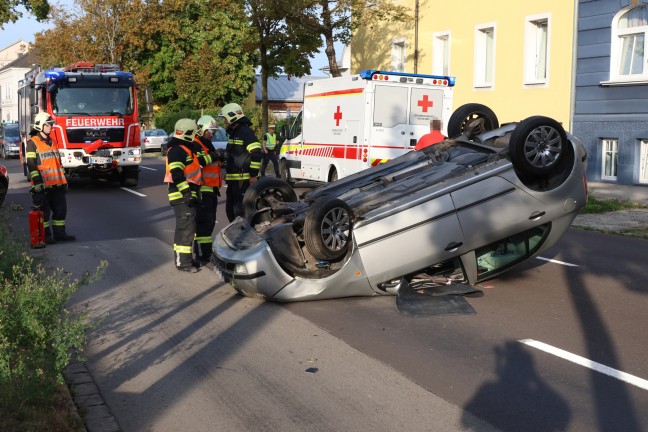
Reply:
x=60, y=235
x=49, y=238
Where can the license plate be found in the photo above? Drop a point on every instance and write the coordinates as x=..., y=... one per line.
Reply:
x=100, y=160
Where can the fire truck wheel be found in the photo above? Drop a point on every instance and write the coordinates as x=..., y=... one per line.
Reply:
x=129, y=178
x=538, y=146
x=266, y=192
x=463, y=115
x=327, y=228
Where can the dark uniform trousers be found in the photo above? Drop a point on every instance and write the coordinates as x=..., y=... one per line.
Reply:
x=270, y=156
x=234, y=204
x=205, y=223
x=55, y=209
x=184, y=233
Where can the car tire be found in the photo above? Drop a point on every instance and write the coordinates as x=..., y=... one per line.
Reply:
x=538, y=146
x=327, y=228
x=257, y=195
x=333, y=175
x=3, y=191
x=284, y=172
x=463, y=115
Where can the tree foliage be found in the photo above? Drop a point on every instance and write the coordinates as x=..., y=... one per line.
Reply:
x=190, y=54
x=336, y=20
x=9, y=10
x=281, y=48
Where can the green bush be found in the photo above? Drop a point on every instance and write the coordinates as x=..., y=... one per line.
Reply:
x=38, y=333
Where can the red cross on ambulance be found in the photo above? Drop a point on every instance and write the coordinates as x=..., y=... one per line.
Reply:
x=425, y=103
x=337, y=116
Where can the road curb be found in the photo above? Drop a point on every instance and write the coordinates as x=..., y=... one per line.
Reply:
x=95, y=414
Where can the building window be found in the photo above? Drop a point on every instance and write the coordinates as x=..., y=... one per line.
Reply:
x=643, y=162
x=398, y=55
x=441, y=54
x=610, y=156
x=484, y=55
x=628, y=53
x=536, y=45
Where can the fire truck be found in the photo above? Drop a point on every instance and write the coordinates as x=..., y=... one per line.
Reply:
x=94, y=107
x=351, y=123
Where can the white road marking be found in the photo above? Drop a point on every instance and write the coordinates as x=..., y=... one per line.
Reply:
x=133, y=192
x=582, y=361
x=557, y=262
x=152, y=169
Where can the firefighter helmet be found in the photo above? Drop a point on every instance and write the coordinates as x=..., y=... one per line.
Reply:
x=185, y=129
x=232, y=112
x=205, y=122
x=42, y=118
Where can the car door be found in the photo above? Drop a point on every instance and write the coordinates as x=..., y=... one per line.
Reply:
x=414, y=236
x=494, y=208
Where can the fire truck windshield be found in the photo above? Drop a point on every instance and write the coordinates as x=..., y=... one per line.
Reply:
x=116, y=101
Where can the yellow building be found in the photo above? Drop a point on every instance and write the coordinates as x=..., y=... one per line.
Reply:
x=514, y=56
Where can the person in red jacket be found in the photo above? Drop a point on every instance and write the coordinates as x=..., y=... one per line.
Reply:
x=433, y=137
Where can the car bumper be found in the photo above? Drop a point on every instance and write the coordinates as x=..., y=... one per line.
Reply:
x=254, y=271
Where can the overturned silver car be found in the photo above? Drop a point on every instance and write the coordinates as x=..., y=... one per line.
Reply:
x=464, y=210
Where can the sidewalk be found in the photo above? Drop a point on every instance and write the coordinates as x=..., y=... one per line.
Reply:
x=634, y=193
x=617, y=221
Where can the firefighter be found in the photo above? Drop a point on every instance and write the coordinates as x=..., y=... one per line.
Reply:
x=46, y=173
x=269, y=148
x=184, y=177
x=243, y=158
x=209, y=190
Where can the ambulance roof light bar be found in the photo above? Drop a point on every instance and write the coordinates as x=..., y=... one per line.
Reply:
x=407, y=77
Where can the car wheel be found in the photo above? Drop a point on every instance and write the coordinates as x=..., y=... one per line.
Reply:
x=327, y=228
x=333, y=175
x=3, y=192
x=263, y=192
x=284, y=172
x=538, y=145
x=463, y=115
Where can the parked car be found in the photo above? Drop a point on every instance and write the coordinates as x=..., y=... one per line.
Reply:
x=9, y=140
x=220, y=139
x=4, y=183
x=462, y=211
x=152, y=139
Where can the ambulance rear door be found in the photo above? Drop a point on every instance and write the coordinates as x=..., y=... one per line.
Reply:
x=400, y=115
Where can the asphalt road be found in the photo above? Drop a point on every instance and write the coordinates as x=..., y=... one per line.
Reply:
x=556, y=345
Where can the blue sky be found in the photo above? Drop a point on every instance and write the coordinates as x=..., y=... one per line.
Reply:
x=26, y=27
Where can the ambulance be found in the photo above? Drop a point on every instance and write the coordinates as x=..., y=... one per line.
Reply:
x=348, y=124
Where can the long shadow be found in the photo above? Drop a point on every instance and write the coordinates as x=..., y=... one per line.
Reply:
x=505, y=402
x=612, y=402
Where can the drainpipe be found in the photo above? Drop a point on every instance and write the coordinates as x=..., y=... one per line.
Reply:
x=416, y=24
x=572, y=107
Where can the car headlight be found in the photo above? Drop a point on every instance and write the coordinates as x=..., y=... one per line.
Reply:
x=240, y=269
x=134, y=152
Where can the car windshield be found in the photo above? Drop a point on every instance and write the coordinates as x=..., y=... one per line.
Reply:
x=155, y=132
x=12, y=131
x=93, y=101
